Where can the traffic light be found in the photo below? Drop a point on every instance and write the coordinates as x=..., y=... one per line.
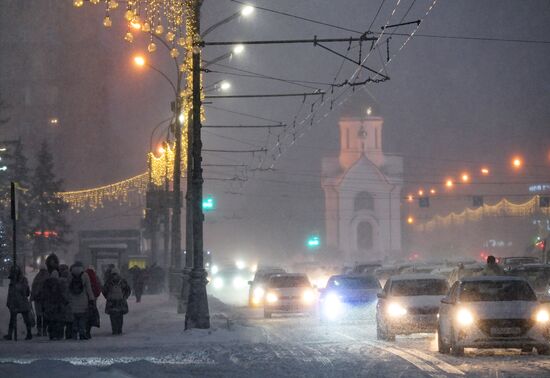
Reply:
x=477, y=201
x=544, y=201
x=313, y=242
x=208, y=204
x=423, y=201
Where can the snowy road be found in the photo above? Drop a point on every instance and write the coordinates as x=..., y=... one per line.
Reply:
x=248, y=345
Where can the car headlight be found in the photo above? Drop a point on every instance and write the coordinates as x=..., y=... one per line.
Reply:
x=464, y=317
x=217, y=283
x=542, y=316
x=396, y=310
x=258, y=295
x=271, y=298
x=238, y=282
x=332, y=306
x=308, y=296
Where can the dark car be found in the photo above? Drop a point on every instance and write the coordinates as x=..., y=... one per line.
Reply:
x=258, y=285
x=512, y=262
x=345, y=293
x=538, y=276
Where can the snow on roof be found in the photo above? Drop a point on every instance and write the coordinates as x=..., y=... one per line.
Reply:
x=492, y=278
x=418, y=276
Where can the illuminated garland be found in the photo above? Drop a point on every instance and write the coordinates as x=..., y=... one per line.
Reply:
x=95, y=198
x=502, y=208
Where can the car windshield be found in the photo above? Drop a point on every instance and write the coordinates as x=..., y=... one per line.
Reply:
x=496, y=291
x=289, y=281
x=355, y=283
x=408, y=288
x=520, y=260
x=264, y=277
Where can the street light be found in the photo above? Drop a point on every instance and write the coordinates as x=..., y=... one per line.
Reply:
x=449, y=183
x=245, y=12
x=485, y=171
x=465, y=177
x=517, y=162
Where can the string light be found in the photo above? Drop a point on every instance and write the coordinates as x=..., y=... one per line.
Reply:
x=502, y=208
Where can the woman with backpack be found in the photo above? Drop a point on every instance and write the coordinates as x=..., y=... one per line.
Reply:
x=81, y=297
x=116, y=291
x=93, y=313
x=18, y=303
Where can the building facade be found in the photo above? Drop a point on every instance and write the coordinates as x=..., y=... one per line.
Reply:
x=363, y=192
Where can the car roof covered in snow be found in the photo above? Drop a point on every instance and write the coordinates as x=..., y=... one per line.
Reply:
x=417, y=276
x=491, y=278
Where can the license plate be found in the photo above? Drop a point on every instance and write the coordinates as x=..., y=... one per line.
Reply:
x=505, y=331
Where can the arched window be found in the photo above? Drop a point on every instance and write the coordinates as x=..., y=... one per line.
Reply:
x=363, y=201
x=364, y=236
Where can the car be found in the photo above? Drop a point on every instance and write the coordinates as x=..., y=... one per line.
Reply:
x=366, y=268
x=256, y=292
x=512, y=262
x=229, y=285
x=492, y=312
x=409, y=303
x=538, y=276
x=289, y=293
x=346, y=293
x=465, y=270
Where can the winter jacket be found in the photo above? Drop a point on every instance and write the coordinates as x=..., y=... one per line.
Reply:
x=53, y=298
x=18, y=293
x=116, y=291
x=492, y=270
x=67, y=312
x=79, y=299
x=94, y=281
x=37, y=284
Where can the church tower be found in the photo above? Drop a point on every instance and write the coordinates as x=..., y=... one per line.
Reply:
x=362, y=189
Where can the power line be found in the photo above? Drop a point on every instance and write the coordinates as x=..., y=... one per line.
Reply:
x=316, y=93
x=236, y=151
x=242, y=126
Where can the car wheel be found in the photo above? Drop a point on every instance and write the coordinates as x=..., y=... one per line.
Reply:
x=380, y=335
x=455, y=350
x=267, y=314
x=543, y=350
x=442, y=347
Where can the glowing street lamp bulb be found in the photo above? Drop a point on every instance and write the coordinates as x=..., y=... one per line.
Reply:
x=449, y=183
x=369, y=111
x=139, y=60
x=517, y=162
x=247, y=10
x=161, y=150
x=465, y=177
x=238, y=49
x=181, y=118
x=225, y=85
x=410, y=220
x=240, y=264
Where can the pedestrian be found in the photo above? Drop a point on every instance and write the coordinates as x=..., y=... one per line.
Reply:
x=93, y=313
x=52, y=263
x=36, y=290
x=18, y=302
x=54, y=302
x=116, y=291
x=67, y=317
x=138, y=281
x=492, y=268
x=81, y=298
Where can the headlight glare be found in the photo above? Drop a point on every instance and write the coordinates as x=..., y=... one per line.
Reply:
x=217, y=283
x=542, y=316
x=464, y=317
x=396, y=310
x=332, y=306
x=271, y=298
x=308, y=296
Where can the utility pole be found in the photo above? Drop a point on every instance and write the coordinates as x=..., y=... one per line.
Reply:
x=14, y=239
x=197, y=315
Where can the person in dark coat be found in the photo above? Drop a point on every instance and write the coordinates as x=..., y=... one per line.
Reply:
x=116, y=290
x=36, y=290
x=18, y=302
x=138, y=281
x=81, y=298
x=93, y=313
x=64, y=277
x=52, y=263
x=54, y=303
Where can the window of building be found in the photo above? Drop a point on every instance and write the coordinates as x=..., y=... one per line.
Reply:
x=363, y=201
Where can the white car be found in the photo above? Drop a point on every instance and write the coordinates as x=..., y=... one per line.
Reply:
x=289, y=293
x=493, y=312
x=408, y=304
